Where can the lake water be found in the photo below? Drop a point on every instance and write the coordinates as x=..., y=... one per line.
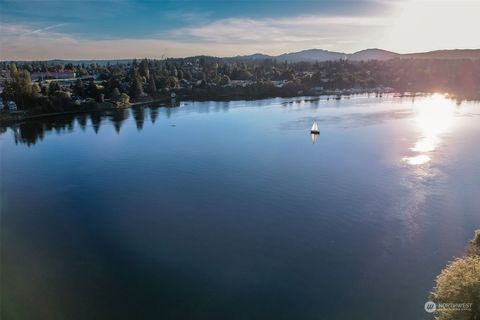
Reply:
x=229, y=210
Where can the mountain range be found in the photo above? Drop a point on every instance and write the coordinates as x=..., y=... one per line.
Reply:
x=368, y=54
x=320, y=55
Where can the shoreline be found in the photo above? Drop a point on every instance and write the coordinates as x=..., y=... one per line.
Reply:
x=9, y=118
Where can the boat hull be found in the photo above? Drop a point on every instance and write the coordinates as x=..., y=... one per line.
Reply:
x=314, y=131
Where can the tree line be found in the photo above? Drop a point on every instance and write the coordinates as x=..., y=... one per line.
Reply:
x=229, y=78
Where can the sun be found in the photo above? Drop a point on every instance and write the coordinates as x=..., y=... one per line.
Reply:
x=434, y=117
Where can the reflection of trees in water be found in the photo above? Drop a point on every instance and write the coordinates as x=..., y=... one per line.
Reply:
x=3, y=130
x=139, y=116
x=82, y=121
x=28, y=133
x=154, y=113
x=96, y=119
x=118, y=117
x=31, y=131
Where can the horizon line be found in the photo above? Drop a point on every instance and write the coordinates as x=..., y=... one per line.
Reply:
x=236, y=56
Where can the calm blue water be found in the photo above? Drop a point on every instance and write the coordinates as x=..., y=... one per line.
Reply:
x=228, y=210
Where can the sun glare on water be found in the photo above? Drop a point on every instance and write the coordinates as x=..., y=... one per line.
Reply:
x=434, y=117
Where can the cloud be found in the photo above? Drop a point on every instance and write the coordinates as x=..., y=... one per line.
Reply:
x=19, y=42
x=222, y=37
x=410, y=27
x=43, y=29
x=304, y=28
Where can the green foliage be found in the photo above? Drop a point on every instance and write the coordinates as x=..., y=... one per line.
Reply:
x=124, y=99
x=8, y=92
x=187, y=75
x=144, y=70
x=20, y=88
x=120, y=99
x=225, y=80
x=63, y=95
x=36, y=90
x=115, y=96
x=79, y=88
x=206, y=77
x=172, y=82
x=152, y=87
x=241, y=74
x=474, y=244
x=53, y=87
x=93, y=91
x=459, y=282
x=13, y=70
x=136, y=88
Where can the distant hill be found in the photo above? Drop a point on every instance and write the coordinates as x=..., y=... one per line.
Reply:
x=367, y=54
x=305, y=55
x=255, y=56
x=372, y=54
x=311, y=55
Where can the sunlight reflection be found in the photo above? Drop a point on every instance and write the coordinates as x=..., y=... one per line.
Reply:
x=421, y=159
x=434, y=117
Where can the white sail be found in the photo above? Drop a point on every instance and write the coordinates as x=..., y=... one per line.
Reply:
x=314, y=127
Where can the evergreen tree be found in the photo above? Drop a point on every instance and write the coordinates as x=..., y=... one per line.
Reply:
x=79, y=88
x=143, y=69
x=53, y=87
x=115, y=94
x=136, y=87
x=92, y=91
x=152, y=87
x=13, y=70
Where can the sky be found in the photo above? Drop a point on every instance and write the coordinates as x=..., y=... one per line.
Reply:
x=122, y=29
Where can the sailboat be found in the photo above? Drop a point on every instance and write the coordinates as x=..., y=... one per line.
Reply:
x=314, y=129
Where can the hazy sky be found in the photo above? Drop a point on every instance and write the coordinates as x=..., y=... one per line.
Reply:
x=73, y=29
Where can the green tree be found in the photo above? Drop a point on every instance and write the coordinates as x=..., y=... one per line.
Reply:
x=172, y=82
x=474, y=245
x=124, y=99
x=36, y=90
x=79, y=88
x=152, y=87
x=143, y=69
x=92, y=91
x=8, y=92
x=240, y=74
x=53, y=87
x=22, y=84
x=225, y=80
x=136, y=89
x=115, y=95
x=187, y=75
x=13, y=70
